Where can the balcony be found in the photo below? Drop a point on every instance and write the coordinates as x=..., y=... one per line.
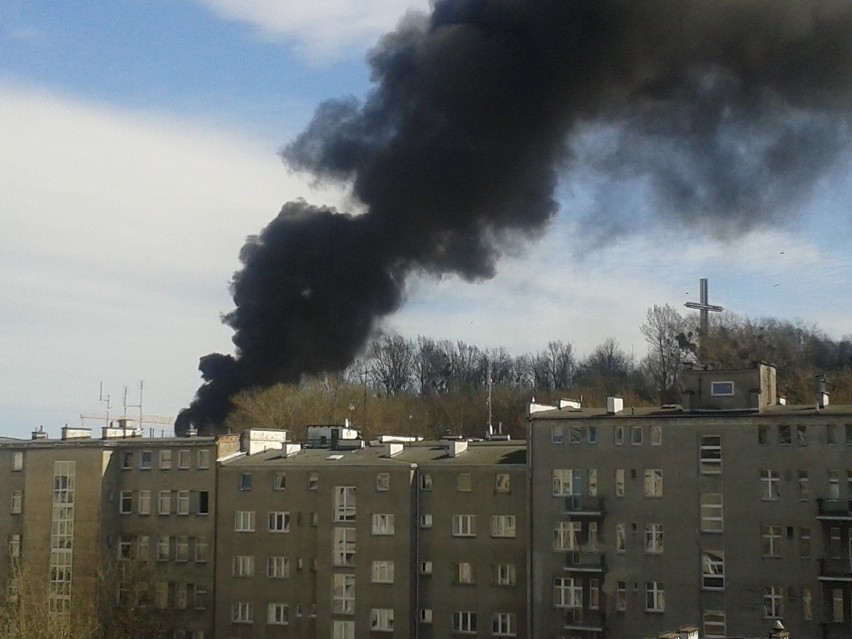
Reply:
x=589, y=562
x=835, y=569
x=834, y=510
x=582, y=619
x=584, y=506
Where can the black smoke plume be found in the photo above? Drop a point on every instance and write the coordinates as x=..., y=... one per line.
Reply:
x=725, y=112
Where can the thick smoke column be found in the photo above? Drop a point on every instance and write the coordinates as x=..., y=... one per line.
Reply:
x=725, y=111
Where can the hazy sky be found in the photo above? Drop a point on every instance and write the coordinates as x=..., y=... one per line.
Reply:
x=138, y=149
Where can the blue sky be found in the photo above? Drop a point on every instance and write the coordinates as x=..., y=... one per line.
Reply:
x=138, y=147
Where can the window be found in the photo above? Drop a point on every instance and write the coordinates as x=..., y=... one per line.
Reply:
x=278, y=522
x=653, y=482
x=244, y=521
x=807, y=605
x=593, y=482
x=804, y=493
x=183, y=459
x=804, y=543
x=653, y=539
x=425, y=481
x=721, y=389
x=655, y=597
x=503, y=624
x=833, y=485
x=832, y=437
x=801, y=435
x=125, y=544
x=203, y=502
x=203, y=460
x=713, y=570
x=144, y=502
x=566, y=535
x=425, y=615
x=313, y=480
x=763, y=435
x=620, y=538
x=505, y=575
x=180, y=596
x=182, y=548
x=382, y=572
x=836, y=605
x=14, y=546
x=567, y=592
x=714, y=624
x=279, y=481
x=344, y=503
x=619, y=482
x=277, y=567
x=594, y=594
x=619, y=435
x=278, y=614
x=241, y=612
x=710, y=454
x=343, y=594
x=562, y=482
x=163, y=548
x=342, y=630
x=656, y=433
x=426, y=568
x=464, y=621
x=383, y=481
x=502, y=483
x=621, y=595
x=464, y=525
x=183, y=502
x=343, y=549
x=201, y=550
x=145, y=460
x=127, y=460
x=164, y=502
x=381, y=619
x=17, y=461
x=463, y=482
x=556, y=436
x=769, y=485
x=834, y=542
x=464, y=573
x=245, y=481
x=125, y=502
x=636, y=435
x=165, y=459
x=784, y=436
x=382, y=524
x=770, y=541
x=426, y=521
x=243, y=566
x=593, y=535
x=773, y=602
x=712, y=518
x=502, y=525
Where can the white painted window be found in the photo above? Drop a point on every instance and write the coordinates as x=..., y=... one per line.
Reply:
x=144, y=505
x=279, y=521
x=567, y=592
x=505, y=575
x=655, y=596
x=382, y=524
x=277, y=567
x=722, y=389
x=277, y=614
x=464, y=621
x=242, y=612
x=712, y=513
x=503, y=624
x=183, y=502
x=715, y=626
x=244, y=521
x=165, y=459
x=381, y=619
x=653, y=482
x=710, y=454
x=502, y=525
x=654, y=539
x=164, y=502
x=383, y=481
x=562, y=482
x=566, y=535
x=344, y=503
x=773, y=601
x=125, y=502
x=770, y=541
x=713, y=569
x=243, y=566
x=381, y=572
x=464, y=525
x=343, y=548
x=343, y=594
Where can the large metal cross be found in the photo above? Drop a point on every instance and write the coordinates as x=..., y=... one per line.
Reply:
x=704, y=307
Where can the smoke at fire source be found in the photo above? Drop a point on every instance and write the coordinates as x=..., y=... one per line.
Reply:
x=726, y=112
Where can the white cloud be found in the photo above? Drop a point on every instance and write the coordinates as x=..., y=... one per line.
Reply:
x=121, y=231
x=321, y=29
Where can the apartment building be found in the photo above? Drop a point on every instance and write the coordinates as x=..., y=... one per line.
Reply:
x=120, y=515
x=730, y=508
x=384, y=540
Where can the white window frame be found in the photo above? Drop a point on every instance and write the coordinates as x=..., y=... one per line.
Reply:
x=166, y=459
x=464, y=621
x=278, y=521
x=653, y=485
x=770, y=481
x=277, y=613
x=713, y=570
x=722, y=388
x=244, y=521
x=773, y=602
x=125, y=502
x=505, y=574
x=710, y=454
x=770, y=541
x=464, y=526
x=381, y=571
x=712, y=513
x=345, y=503
x=567, y=592
x=343, y=546
x=655, y=596
x=503, y=526
x=278, y=567
x=183, y=502
x=242, y=612
x=715, y=624
x=343, y=594
x=381, y=619
x=653, y=539
x=503, y=624
x=164, y=502
x=464, y=573
x=144, y=503
x=566, y=535
x=382, y=524
x=383, y=482
x=242, y=566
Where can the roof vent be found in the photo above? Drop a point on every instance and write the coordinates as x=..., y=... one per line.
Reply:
x=456, y=447
x=393, y=448
x=614, y=405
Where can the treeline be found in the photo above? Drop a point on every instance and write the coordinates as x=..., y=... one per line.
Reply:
x=424, y=386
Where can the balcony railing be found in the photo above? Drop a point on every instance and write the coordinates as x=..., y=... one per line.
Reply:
x=835, y=569
x=584, y=506
x=585, y=561
x=834, y=510
x=585, y=619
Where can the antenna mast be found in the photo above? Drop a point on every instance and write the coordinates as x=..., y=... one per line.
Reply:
x=488, y=386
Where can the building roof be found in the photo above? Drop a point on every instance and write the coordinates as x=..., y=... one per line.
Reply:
x=676, y=411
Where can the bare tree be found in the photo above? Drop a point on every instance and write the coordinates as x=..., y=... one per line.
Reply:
x=553, y=368
x=663, y=325
x=608, y=367
x=392, y=359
